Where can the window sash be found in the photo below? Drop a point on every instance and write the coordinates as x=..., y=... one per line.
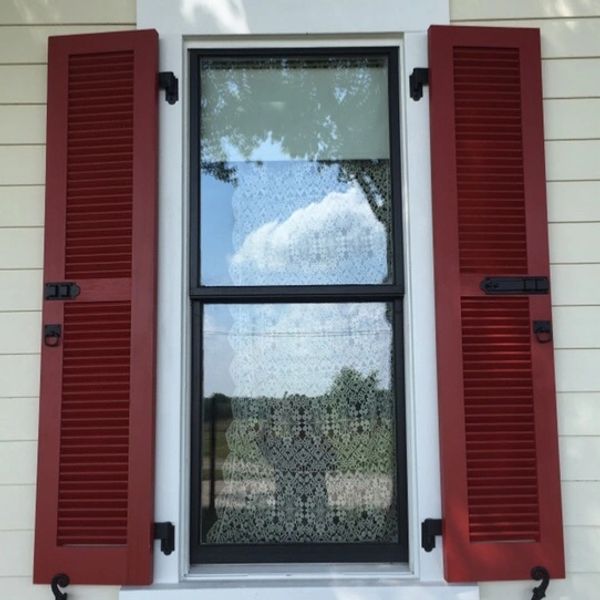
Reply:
x=392, y=292
x=395, y=289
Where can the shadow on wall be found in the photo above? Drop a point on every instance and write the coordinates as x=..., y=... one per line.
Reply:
x=226, y=15
x=55, y=12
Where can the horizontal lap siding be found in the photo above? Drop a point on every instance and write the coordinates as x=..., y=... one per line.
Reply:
x=24, y=31
x=571, y=79
x=28, y=45
x=57, y=12
x=477, y=10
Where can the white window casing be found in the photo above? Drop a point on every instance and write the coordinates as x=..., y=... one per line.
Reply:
x=249, y=24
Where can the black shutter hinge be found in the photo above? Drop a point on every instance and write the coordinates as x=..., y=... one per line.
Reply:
x=430, y=528
x=515, y=285
x=540, y=574
x=61, y=580
x=168, y=82
x=61, y=290
x=417, y=79
x=165, y=532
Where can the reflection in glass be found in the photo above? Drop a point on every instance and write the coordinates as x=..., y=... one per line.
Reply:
x=295, y=174
x=298, y=424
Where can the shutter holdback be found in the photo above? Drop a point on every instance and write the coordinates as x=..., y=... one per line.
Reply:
x=538, y=573
x=62, y=580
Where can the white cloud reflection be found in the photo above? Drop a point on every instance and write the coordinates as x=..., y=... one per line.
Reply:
x=337, y=239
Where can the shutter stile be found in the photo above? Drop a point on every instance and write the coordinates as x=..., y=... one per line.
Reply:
x=498, y=434
x=95, y=491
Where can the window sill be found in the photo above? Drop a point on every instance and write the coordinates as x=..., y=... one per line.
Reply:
x=296, y=590
x=323, y=574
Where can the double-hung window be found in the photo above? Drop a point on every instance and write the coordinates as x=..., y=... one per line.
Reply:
x=279, y=360
x=298, y=446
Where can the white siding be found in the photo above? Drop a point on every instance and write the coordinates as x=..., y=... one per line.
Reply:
x=476, y=10
x=571, y=78
x=28, y=45
x=60, y=12
x=573, y=201
x=24, y=30
x=572, y=118
x=570, y=32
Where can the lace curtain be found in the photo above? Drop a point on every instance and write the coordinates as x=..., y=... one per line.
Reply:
x=295, y=162
x=300, y=223
x=315, y=464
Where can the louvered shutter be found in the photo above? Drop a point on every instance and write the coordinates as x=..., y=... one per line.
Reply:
x=498, y=434
x=95, y=462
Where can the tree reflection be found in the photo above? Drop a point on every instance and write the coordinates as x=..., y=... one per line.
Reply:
x=326, y=465
x=318, y=124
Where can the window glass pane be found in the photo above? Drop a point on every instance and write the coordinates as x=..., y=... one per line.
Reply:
x=298, y=424
x=295, y=182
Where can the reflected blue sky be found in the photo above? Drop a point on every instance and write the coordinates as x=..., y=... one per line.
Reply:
x=284, y=223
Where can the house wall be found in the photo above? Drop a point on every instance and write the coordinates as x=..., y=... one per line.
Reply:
x=570, y=31
x=571, y=51
x=24, y=29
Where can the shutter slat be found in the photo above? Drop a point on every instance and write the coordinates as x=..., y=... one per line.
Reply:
x=95, y=466
x=498, y=440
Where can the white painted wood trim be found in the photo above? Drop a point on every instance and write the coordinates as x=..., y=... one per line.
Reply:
x=289, y=17
x=299, y=592
x=178, y=32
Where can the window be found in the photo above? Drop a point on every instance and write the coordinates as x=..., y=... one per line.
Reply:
x=298, y=426
x=91, y=475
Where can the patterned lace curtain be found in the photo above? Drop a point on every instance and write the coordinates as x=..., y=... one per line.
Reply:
x=315, y=466
x=295, y=160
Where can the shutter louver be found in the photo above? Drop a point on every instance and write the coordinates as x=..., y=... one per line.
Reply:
x=499, y=424
x=100, y=165
x=489, y=160
x=95, y=492
x=498, y=435
x=94, y=448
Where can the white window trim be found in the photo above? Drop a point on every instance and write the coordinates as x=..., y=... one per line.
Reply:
x=284, y=23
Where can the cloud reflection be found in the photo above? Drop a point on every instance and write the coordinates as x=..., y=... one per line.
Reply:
x=337, y=235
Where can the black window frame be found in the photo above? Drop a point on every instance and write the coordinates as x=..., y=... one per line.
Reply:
x=386, y=292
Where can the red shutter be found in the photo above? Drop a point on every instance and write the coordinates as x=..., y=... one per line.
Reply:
x=95, y=487
x=498, y=435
